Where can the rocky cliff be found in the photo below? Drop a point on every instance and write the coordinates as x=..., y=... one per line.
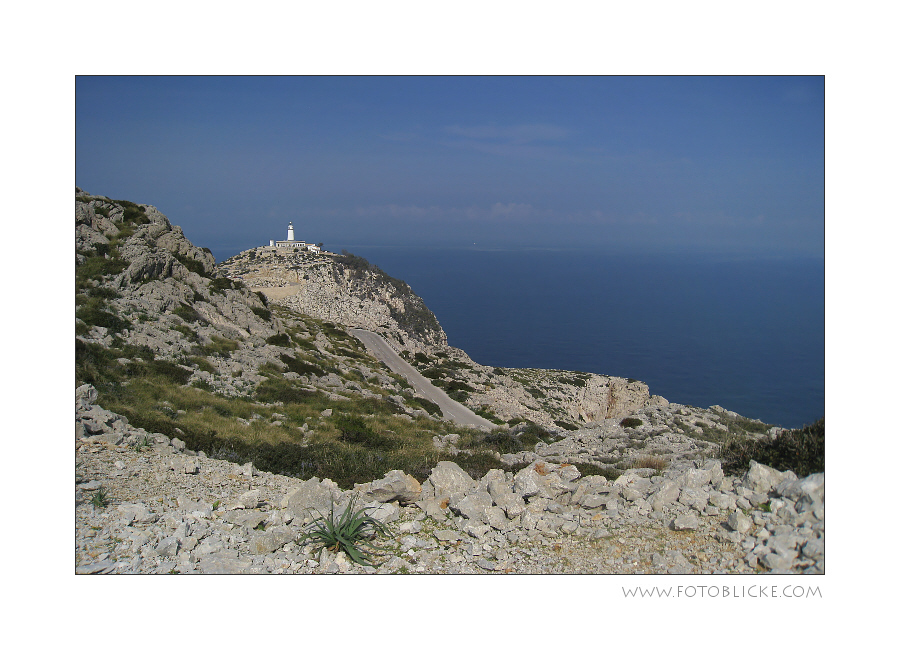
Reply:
x=550, y=398
x=344, y=289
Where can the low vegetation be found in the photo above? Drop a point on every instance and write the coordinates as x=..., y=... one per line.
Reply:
x=799, y=450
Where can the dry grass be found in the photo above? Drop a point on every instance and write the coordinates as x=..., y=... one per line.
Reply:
x=657, y=463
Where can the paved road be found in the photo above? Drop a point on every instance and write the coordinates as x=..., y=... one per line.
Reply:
x=452, y=410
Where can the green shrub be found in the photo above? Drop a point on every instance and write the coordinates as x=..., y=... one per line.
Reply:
x=202, y=364
x=104, y=293
x=501, y=441
x=187, y=313
x=477, y=464
x=93, y=314
x=220, y=346
x=534, y=433
x=220, y=285
x=159, y=369
x=187, y=331
x=460, y=386
x=95, y=365
x=458, y=396
x=301, y=367
x=144, y=352
x=281, y=340
x=630, y=423
x=425, y=404
x=95, y=267
x=279, y=390
x=588, y=469
x=799, y=450
x=486, y=413
x=355, y=430
x=193, y=265
x=263, y=313
x=432, y=373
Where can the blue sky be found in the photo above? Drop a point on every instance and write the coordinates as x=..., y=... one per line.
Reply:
x=676, y=164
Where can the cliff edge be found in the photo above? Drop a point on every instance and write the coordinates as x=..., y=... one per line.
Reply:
x=343, y=288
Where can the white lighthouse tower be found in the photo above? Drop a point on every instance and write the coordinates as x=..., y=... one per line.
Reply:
x=293, y=243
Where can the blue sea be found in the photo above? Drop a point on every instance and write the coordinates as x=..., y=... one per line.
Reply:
x=746, y=334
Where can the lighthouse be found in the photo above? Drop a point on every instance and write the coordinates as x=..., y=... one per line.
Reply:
x=293, y=243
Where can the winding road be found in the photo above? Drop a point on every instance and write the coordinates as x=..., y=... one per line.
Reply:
x=452, y=410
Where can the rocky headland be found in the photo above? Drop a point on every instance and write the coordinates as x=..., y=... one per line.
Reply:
x=219, y=408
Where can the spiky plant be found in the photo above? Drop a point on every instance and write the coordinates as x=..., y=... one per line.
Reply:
x=100, y=498
x=346, y=533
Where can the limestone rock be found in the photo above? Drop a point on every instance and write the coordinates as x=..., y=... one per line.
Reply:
x=449, y=481
x=761, y=478
x=687, y=521
x=395, y=486
x=739, y=522
x=312, y=498
x=665, y=495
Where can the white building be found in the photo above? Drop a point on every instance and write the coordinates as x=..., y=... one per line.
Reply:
x=290, y=242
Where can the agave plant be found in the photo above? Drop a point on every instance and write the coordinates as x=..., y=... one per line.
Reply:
x=344, y=533
x=100, y=498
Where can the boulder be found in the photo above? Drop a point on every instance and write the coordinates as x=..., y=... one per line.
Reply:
x=686, y=521
x=449, y=481
x=168, y=547
x=85, y=395
x=545, y=480
x=694, y=498
x=382, y=512
x=312, y=498
x=665, y=495
x=739, y=522
x=512, y=504
x=248, y=500
x=761, y=478
x=136, y=512
x=474, y=506
x=395, y=486
x=695, y=478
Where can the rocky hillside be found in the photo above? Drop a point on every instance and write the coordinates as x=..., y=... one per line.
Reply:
x=177, y=356
x=348, y=290
x=340, y=288
x=550, y=398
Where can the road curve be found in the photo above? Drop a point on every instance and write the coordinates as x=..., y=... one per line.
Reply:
x=452, y=410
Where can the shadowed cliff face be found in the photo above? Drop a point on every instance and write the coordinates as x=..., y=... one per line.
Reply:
x=340, y=288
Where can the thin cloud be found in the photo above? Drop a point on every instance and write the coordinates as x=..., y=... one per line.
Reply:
x=515, y=212
x=518, y=134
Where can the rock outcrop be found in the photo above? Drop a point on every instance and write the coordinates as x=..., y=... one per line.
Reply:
x=340, y=288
